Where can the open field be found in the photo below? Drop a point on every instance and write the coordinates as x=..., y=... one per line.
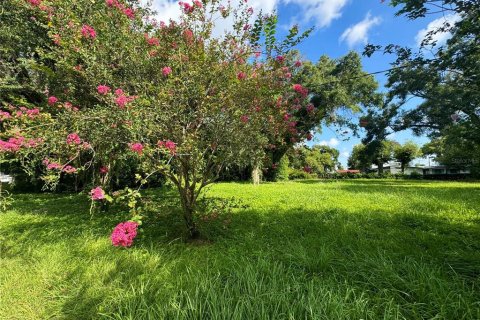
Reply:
x=363, y=249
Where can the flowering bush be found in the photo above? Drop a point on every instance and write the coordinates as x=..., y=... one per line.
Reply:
x=185, y=104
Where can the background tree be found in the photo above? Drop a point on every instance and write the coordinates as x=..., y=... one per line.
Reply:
x=406, y=153
x=358, y=159
x=314, y=160
x=376, y=152
x=445, y=77
x=454, y=152
x=381, y=152
x=338, y=89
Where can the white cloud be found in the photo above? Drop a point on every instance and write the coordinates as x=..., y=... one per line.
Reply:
x=331, y=143
x=166, y=10
x=439, y=37
x=321, y=12
x=358, y=33
x=345, y=154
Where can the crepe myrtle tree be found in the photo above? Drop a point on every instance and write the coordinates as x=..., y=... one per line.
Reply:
x=171, y=95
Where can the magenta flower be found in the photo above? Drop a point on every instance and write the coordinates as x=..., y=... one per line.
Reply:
x=35, y=2
x=103, y=170
x=297, y=87
x=54, y=166
x=103, y=89
x=129, y=12
x=4, y=115
x=244, y=118
x=241, y=75
x=169, y=145
x=136, y=147
x=52, y=100
x=309, y=136
x=280, y=59
x=298, y=63
x=111, y=3
x=186, y=7
x=69, y=169
x=152, y=41
x=121, y=101
x=97, y=194
x=300, y=89
x=124, y=233
x=12, y=145
x=32, y=113
x=74, y=138
x=119, y=92
x=88, y=32
x=166, y=71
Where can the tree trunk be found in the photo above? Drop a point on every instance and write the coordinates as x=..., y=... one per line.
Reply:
x=256, y=174
x=188, y=200
x=380, y=168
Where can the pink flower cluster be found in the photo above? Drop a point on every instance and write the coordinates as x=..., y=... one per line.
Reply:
x=124, y=233
x=4, y=115
x=54, y=166
x=88, y=32
x=136, y=147
x=14, y=144
x=73, y=138
x=244, y=118
x=188, y=8
x=57, y=166
x=103, y=89
x=310, y=108
x=152, y=41
x=31, y=113
x=166, y=71
x=11, y=145
x=52, y=100
x=69, y=169
x=121, y=99
x=34, y=2
x=22, y=111
x=97, y=194
x=169, y=145
x=129, y=12
x=241, y=76
x=300, y=89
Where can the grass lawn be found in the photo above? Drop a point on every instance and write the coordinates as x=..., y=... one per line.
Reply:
x=362, y=249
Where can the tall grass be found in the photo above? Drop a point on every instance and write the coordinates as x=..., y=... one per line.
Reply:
x=300, y=250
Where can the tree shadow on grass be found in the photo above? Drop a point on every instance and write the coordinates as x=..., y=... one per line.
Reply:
x=402, y=259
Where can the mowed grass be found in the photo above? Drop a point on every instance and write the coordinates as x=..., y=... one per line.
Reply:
x=362, y=249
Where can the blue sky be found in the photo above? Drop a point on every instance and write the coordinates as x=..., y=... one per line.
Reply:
x=341, y=26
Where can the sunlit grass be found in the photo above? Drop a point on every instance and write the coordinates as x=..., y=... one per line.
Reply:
x=364, y=249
